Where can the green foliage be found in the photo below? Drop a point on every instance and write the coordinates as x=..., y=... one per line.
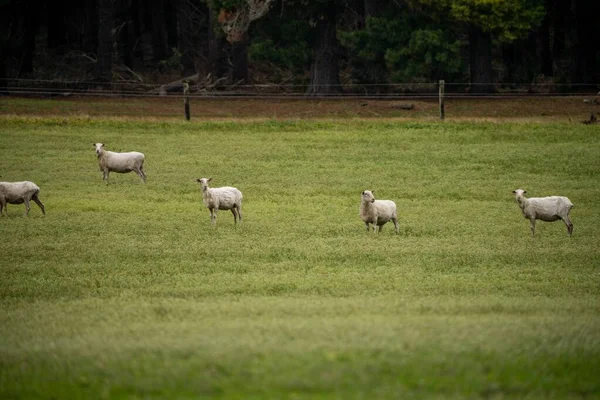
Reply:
x=225, y=4
x=430, y=55
x=368, y=46
x=125, y=290
x=174, y=61
x=507, y=20
x=289, y=50
x=406, y=53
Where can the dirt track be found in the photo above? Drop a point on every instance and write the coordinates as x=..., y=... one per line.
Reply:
x=552, y=109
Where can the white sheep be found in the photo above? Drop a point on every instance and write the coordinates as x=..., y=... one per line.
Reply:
x=119, y=162
x=223, y=198
x=548, y=209
x=17, y=193
x=377, y=212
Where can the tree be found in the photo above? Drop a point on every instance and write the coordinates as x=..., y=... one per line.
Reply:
x=105, y=41
x=234, y=17
x=487, y=22
x=324, y=69
x=587, y=42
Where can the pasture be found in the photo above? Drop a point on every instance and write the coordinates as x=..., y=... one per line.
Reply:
x=126, y=291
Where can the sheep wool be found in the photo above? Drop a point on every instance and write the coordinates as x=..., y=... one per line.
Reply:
x=377, y=212
x=119, y=162
x=17, y=193
x=549, y=209
x=223, y=198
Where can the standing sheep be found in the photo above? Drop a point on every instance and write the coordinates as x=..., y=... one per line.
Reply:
x=17, y=193
x=119, y=162
x=377, y=212
x=223, y=198
x=548, y=209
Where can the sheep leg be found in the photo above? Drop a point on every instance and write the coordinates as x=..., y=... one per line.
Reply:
x=3, y=208
x=395, y=221
x=380, y=228
x=239, y=211
x=367, y=225
x=234, y=212
x=27, y=206
x=105, y=175
x=375, y=226
x=39, y=203
x=143, y=173
x=532, y=226
x=569, y=225
x=140, y=173
x=213, y=216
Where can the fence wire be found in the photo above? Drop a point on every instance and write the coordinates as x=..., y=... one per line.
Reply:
x=373, y=91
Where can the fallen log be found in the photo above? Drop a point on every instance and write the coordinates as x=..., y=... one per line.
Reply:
x=176, y=86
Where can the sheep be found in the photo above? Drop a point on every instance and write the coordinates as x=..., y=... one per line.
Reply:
x=377, y=212
x=548, y=209
x=17, y=193
x=223, y=198
x=119, y=162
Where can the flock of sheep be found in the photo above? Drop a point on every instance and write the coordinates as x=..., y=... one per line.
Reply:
x=372, y=212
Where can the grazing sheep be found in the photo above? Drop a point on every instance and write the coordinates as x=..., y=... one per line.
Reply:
x=17, y=193
x=119, y=162
x=377, y=212
x=223, y=198
x=547, y=209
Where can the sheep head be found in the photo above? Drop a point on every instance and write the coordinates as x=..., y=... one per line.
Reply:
x=99, y=148
x=519, y=194
x=203, y=182
x=368, y=196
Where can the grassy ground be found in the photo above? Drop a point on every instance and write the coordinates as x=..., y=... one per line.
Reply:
x=125, y=290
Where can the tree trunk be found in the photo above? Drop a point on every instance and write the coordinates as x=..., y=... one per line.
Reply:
x=545, y=53
x=56, y=26
x=216, y=43
x=90, y=20
x=239, y=60
x=586, y=46
x=159, y=31
x=480, y=60
x=30, y=28
x=126, y=34
x=105, y=41
x=324, y=70
x=186, y=33
x=171, y=24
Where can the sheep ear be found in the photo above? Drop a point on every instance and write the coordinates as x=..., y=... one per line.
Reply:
x=363, y=193
x=514, y=192
x=373, y=192
x=524, y=191
x=209, y=179
x=198, y=180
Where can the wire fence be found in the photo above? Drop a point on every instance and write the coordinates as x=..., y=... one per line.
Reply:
x=383, y=91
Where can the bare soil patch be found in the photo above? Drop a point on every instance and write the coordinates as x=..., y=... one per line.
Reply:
x=552, y=109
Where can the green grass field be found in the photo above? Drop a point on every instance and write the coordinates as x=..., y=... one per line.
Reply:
x=126, y=291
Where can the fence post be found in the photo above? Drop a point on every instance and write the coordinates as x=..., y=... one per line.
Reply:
x=186, y=100
x=442, y=99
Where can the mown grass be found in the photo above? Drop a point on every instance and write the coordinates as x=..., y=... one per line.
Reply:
x=125, y=290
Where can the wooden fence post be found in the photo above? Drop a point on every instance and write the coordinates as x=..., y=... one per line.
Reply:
x=442, y=99
x=186, y=100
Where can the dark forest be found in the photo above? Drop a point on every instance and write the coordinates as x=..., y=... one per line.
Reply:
x=321, y=44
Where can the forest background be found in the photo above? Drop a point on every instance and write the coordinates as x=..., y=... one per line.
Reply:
x=319, y=45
